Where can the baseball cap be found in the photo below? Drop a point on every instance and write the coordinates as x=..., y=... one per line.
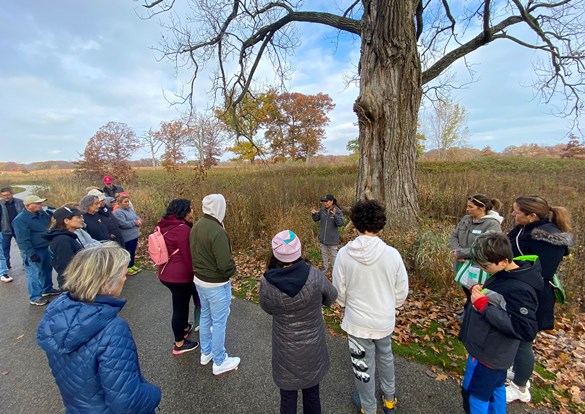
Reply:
x=32, y=199
x=327, y=197
x=108, y=179
x=66, y=213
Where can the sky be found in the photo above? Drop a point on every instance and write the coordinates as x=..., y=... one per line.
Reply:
x=69, y=67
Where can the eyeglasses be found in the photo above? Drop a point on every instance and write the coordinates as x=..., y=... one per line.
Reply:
x=484, y=266
x=476, y=200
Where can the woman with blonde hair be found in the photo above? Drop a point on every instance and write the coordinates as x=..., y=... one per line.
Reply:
x=544, y=231
x=90, y=349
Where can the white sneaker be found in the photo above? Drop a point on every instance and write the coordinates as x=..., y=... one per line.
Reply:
x=228, y=364
x=513, y=393
x=510, y=374
x=206, y=358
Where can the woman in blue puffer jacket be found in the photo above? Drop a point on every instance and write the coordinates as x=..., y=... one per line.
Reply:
x=90, y=348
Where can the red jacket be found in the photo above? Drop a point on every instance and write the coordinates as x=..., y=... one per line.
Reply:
x=179, y=268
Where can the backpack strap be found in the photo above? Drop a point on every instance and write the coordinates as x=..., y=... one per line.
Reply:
x=173, y=253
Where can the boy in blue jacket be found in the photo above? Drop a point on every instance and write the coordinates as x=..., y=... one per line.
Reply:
x=502, y=313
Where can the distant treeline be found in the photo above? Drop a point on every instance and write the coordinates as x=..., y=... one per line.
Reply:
x=57, y=165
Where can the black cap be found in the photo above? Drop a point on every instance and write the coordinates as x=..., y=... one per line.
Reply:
x=328, y=197
x=66, y=213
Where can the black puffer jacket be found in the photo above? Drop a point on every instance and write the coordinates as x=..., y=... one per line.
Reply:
x=493, y=335
x=545, y=240
x=294, y=296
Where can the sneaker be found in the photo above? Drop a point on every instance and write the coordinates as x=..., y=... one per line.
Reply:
x=39, y=302
x=228, y=364
x=188, y=330
x=52, y=292
x=186, y=347
x=389, y=406
x=513, y=393
x=136, y=269
x=131, y=272
x=510, y=374
x=6, y=278
x=206, y=358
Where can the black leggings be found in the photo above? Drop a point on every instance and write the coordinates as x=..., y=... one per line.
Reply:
x=523, y=364
x=181, y=294
x=311, y=401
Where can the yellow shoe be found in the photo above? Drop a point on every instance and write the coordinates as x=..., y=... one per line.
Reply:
x=389, y=406
x=131, y=272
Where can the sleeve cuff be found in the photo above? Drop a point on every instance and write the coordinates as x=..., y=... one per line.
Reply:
x=481, y=303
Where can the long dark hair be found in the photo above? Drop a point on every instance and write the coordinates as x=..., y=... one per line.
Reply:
x=179, y=207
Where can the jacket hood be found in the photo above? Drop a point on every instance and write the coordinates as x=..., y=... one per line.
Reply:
x=557, y=238
x=169, y=222
x=529, y=272
x=492, y=215
x=53, y=233
x=289, y=280
x=68, y=323
x=365, y=249
x=214, y=205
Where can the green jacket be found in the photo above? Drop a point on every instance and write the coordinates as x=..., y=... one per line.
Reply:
x=211, y=251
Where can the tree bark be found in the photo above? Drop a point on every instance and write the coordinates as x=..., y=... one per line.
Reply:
x=387, y=110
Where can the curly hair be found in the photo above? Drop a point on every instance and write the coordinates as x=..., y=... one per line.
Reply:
x=368, y=215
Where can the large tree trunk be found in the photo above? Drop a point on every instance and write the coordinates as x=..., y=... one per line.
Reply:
x=387, y=110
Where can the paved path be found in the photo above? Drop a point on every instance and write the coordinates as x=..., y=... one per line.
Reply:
x=26, y=384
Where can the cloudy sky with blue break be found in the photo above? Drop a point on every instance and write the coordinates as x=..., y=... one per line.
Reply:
x=68, y=67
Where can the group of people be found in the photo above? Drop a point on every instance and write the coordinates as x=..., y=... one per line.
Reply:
x=503, y=314
x=49, y=238
x=369, y=281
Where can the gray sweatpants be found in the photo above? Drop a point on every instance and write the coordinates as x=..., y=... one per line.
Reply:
x=328, y=253
x=367, y=355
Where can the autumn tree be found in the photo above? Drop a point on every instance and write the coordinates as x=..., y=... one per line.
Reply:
x=206, y=134
x=153, y=142
x=109, y=151
x=174, y=134
x=487, y=151
x=405, y=47
x=244, y=122
x=246, y=150
x=445, y=126
x=575, y=148
x=296, y=127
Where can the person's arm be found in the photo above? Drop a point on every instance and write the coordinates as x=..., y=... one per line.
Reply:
x=61, y=254
x=520, y=324
x=316, y=216
x=266, y=302
x=223, y=254
x=401, y=283
x=125, y=390
x=338, y=219
x=328, y=291
x=455, y=243
x=23, y=238
x=124, y=220
x=339, y=281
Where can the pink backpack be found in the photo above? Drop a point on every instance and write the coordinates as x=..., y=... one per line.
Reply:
x=157, y=248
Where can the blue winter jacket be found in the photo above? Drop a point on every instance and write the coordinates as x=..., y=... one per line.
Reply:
x=93, y=357
x=29, y=229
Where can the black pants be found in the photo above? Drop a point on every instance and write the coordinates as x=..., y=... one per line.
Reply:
x=181, y=294
x=311, y=401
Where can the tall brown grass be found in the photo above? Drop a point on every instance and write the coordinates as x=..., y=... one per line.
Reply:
x=263, y=200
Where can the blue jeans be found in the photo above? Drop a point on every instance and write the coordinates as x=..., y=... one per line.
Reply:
x=39, y=276
x=215, y=307
x=6, y=240
x=3, y=267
